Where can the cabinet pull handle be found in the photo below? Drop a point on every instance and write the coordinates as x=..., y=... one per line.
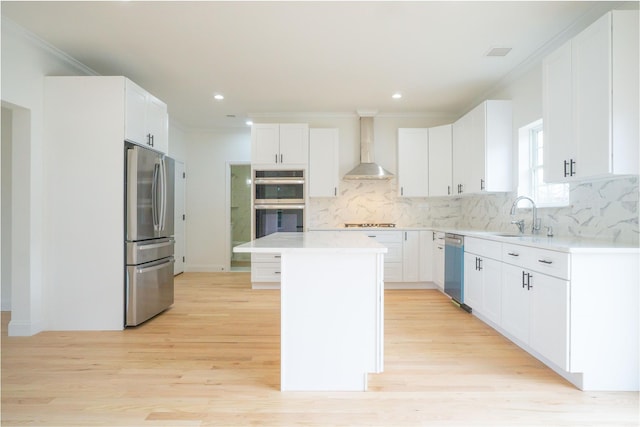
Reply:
x=276, y=158
x=481, y=184
x=479, y=264
x=565, y=169
x=448, y=190
x=335, y=191
x=277, y=272
x=405, y=236
x=277, y=256
x=572, y=164
x=281, y=158
x=523, y=275
x=513, y=254
x=544, y=261
x=373, y=237
x=402, y=191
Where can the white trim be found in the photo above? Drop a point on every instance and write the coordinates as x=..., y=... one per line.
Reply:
x=45, y=46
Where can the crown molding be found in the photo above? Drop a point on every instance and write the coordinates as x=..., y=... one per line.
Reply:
x=19, y=31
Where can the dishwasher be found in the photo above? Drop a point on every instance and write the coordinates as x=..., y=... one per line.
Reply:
x=454, y=269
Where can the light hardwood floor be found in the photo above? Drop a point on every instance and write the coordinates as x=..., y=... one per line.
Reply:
x=213, y=359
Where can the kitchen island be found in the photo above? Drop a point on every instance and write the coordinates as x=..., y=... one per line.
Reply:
x=332, y=308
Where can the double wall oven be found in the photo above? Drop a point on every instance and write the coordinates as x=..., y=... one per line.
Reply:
x=279, y=201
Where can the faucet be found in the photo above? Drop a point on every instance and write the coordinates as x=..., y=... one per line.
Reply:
x=535, y=226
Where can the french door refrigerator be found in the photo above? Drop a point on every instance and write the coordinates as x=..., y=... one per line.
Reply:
x=149, y=245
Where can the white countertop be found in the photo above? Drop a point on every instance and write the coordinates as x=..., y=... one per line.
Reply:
x=561, y=244
x=312, y=241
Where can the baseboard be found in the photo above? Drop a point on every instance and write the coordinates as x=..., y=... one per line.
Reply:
x=203, y=268
x=410, y=285
x=23, y=328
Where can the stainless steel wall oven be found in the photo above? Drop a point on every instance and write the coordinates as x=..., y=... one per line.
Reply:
x=279, y=201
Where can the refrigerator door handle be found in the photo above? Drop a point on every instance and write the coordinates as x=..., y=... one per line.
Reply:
x=163, y=194
x=155, y=211
x=154, y=267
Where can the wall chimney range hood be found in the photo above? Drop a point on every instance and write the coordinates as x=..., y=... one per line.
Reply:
x=367, y=169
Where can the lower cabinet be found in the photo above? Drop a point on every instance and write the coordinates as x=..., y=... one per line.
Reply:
x=483, y=278
x=438, y=259
x=265, y=270
x=536, y=312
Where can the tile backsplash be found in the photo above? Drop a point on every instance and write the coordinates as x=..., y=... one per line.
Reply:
x=604, y=209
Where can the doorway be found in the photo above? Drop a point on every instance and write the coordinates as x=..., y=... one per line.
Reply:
x=240, y=214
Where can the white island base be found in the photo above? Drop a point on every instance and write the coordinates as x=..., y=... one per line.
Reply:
x=332, y=309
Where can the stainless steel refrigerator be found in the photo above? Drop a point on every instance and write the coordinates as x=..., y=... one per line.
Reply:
x=149, y=200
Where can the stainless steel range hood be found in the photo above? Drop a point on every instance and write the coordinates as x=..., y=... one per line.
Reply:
x=367, y=169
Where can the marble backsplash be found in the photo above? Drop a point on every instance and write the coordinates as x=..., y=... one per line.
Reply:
x=604, y=209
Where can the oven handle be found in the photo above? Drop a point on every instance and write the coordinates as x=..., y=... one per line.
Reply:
x=279, y=206
x=278, y=181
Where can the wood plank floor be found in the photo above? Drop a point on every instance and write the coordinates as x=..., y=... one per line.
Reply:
x=213, y=359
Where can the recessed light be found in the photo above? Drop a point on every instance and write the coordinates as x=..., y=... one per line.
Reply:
x=249, y=123
x=396, y=95
x=498, y=51
x=218, y=97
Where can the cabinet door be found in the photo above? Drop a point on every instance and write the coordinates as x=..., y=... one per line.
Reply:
x=461, y=156
x=440, y=161
x=475, y=181
x=550, y=318
x=323, y=163
x=157, y=121
x=516, y=308
x=492, y=289
x=472, y=282
x=425, y=267
x=294, y=144
x=591, y=73
x=265, y=143
x=411, y=256
x=135, y=113
x=413, y=162
x=559, y=146
x=438, y=264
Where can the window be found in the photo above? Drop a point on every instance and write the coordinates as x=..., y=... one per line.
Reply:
x=531, y=170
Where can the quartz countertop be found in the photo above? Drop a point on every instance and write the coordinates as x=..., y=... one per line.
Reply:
x=556, y=243
x=312, y=241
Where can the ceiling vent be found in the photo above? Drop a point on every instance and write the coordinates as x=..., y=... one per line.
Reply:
x=498, y=51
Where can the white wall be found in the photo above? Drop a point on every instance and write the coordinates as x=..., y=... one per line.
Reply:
x=25, y=61
x=207, y=155
x=5, y=208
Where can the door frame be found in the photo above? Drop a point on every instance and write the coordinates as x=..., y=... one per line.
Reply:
x=227, y=211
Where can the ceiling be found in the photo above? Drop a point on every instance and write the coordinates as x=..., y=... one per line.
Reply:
x=274, y=58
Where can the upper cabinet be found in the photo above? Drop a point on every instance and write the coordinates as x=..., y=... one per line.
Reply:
x=590, y=101
x=413, y=162
x=146, y=118
x=440, y=161
x=323, y=163
x=276, y=145
x=482, y=147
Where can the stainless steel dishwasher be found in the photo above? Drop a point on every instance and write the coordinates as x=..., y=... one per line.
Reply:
x=454, y=269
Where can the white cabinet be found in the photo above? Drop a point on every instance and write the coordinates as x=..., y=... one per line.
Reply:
x=146, y=118
x=440, y=160
x=411, y=256
x=393, y=268
x=425, y=267
x=275, y=145
x=536, y=305
x=482, y=147
x=265, y=271
x=438, y=259
x=590, y=101
x=413, y=162
x=482, y=277
x=323, y=162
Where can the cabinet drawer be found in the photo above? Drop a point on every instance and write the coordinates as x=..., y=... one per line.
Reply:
x=265, y=258
x=265, y=272
x=544, y=261
x=385, y=236
x=483, y=247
